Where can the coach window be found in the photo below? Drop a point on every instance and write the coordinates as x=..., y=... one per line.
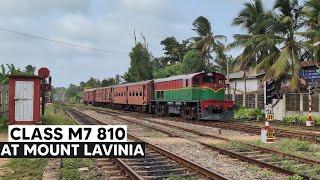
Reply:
x=140, y=93
x=0, y=99
x=137, y=94
x=187, y=83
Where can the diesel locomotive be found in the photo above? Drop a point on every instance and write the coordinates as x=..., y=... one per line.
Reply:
x=194, y=96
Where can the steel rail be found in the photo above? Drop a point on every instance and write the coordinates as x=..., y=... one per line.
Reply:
x=198, y=168
x=226, y=152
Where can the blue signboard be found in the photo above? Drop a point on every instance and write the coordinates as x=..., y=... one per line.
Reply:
x=310, y=75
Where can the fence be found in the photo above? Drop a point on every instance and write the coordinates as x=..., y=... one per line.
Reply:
x=289, y=104
x=4, y=98
x=251, y=100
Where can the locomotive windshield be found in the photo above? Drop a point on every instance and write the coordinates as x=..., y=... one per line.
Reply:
x=208, y=79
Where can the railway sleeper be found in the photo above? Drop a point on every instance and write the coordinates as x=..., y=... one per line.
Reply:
x=147, y=163
x=156, y=166
x=146, y=159
x=191, y=175
x=160, y=170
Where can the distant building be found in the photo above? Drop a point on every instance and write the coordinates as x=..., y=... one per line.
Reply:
x=254, y=82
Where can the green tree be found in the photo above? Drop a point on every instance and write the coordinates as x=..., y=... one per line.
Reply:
x=312, y=34
x=3, y=75
x=108, y=82
x=92, y=83
x=140, y=64
x=173, y=50
x=193, y=62
x=73, y=93
x=167, y=71
x=30, y=69
x=283, y=43
x=205, y=43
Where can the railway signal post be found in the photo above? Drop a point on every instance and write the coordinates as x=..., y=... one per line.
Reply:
x=310, y=121
x=267, y=132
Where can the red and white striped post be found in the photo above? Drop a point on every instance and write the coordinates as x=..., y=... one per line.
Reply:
x=309, y=121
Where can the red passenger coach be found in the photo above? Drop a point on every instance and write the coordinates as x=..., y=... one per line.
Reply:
x=100, y=95
x=120, y=94
x=140, y=94
x=89, y=96
x=103, y=96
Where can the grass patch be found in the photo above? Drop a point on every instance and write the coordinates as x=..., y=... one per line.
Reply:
x=30, y=168
x=54, y=115
x=25, y=168
x=235, y=145
x=70, y=169
x=294, y=146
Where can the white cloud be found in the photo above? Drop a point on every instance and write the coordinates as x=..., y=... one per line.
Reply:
x=40, y=7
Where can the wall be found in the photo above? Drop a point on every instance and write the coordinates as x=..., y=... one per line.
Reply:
x=291, y=103
x=252, y=85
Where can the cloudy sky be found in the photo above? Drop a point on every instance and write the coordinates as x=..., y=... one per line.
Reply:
x=102, y=24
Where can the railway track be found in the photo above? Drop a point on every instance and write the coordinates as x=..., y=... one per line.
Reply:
x=263, y=157
x=235, y=126
x=157, y=163
x=313, y=137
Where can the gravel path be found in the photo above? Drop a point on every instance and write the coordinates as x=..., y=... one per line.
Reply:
x=193, y=151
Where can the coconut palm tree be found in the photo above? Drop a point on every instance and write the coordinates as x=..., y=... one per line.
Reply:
x=312, y=34
x=205, y=42
x=283, y=43
x=255, y=20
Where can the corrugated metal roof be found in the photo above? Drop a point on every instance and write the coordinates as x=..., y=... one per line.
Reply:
x=172, y=78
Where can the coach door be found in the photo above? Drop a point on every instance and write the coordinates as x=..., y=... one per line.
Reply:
x=143, y=93
x=24, y=100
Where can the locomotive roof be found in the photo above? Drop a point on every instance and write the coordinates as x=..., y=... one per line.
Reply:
x=184, y=76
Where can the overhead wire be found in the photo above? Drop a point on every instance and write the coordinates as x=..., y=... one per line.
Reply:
x=62, y=42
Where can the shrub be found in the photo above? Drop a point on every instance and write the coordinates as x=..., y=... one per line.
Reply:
x=300, y=119
x=248, y=114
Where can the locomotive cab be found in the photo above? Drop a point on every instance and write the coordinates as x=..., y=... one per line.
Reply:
x=212, y=101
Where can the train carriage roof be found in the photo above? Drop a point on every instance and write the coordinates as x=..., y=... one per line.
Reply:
x=132, y=84
x=184, y=76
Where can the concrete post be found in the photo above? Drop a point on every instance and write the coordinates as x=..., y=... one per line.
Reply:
x=319, y=103
x=284, y=105
x=243, y=100
x=256, y=101
x=301, y=103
